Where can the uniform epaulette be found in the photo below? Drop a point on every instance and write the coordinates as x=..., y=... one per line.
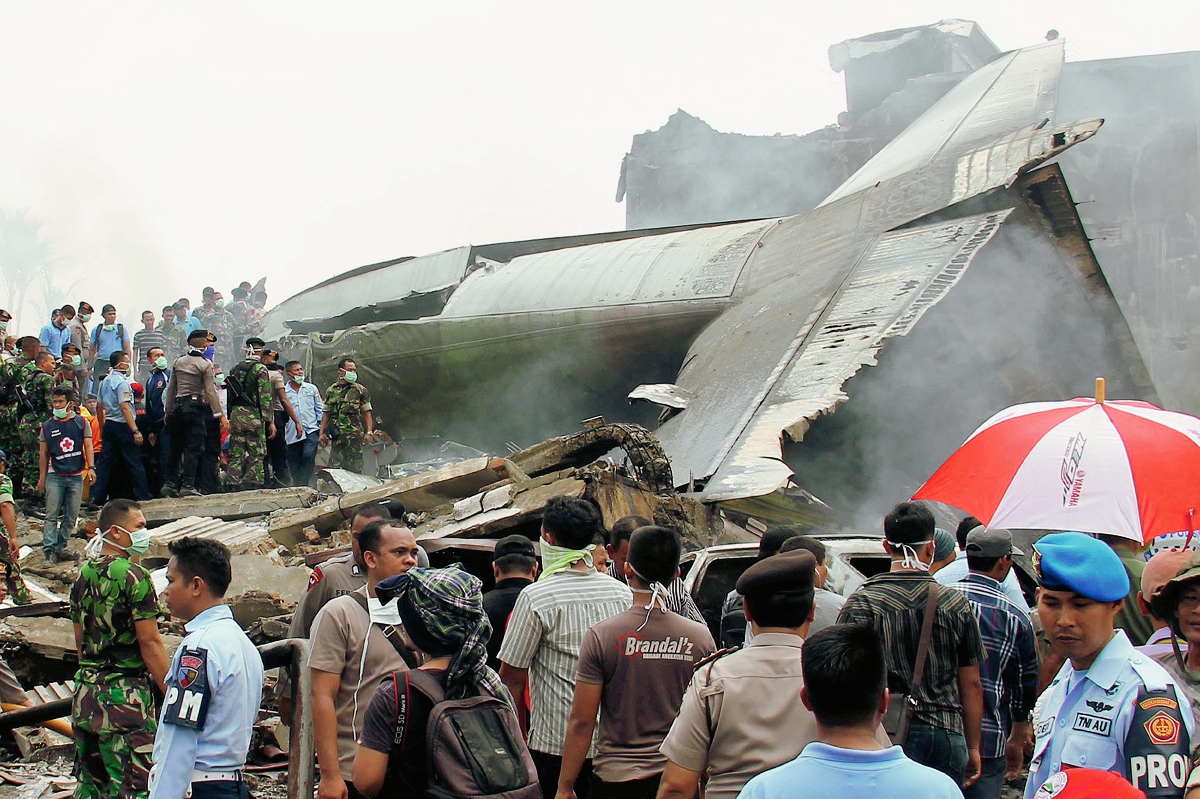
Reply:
x=720, y=653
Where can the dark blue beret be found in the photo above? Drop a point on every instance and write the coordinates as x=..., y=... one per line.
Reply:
x=1080, y=563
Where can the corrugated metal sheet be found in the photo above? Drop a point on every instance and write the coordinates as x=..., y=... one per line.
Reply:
x=694, y=264
x=239, y=537
x=1017, y=92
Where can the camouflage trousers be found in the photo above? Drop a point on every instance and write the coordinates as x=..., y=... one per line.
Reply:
x=113, y=721
x=17, y=590
x=27, y=430
x=10, y=442
x=346, y=453
x=247, y=449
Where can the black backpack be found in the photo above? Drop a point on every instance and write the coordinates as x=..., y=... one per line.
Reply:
x=473, y=746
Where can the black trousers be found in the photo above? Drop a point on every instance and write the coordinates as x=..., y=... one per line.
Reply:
x=548, y=768
x=220, y=789
x=187, y=426
x=210, y=471
x=119, y=444
x=277, y=453
x=634, y=789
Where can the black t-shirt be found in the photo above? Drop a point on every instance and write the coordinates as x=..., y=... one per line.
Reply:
x=498, y=604
x=407, y=775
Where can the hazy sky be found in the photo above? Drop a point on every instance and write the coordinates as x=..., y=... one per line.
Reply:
x=170, y=146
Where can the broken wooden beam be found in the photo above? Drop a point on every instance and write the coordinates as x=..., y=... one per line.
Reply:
x=524, y=505
x=236, y=505
x=419, y=492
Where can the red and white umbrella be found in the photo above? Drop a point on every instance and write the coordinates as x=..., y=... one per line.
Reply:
x=1124, y=467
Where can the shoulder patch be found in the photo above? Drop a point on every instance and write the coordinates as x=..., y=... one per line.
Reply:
x=720, y=653
x=1157, y=745
x=316, y=577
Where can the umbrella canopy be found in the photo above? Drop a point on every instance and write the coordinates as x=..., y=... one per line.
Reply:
x=1125, y=468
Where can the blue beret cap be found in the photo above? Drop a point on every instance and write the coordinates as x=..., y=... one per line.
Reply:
x=1080, y=563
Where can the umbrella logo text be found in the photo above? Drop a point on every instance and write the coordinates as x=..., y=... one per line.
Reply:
x=1072, y=475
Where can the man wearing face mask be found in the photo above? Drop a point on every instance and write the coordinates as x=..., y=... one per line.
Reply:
x=35, y=408
x=72, y=357
x=215, y=319
x=122, y=438
x=249, y=397
x=347, y=422
x=302, y=440
x=191, y=401
x=108, y=338
x=153, y=446
x=57, y=333
x=81, y=339
x=114, y=610
x=945, y=727
x=283, y=414
x=65, y=461
x=356, y=643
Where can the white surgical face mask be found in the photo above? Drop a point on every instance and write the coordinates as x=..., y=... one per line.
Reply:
x=384, y=614
x=911, y=561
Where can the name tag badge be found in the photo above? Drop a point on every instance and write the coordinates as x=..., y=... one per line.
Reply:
x=1092, y=724
x=188, y=692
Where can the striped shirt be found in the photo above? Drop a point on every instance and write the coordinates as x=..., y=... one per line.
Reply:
x=678, y=599
x=544, y=635
x=1010, y=672
x=894, y=604
x=146, y=340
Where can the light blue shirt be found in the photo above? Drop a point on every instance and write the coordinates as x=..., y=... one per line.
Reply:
x=53, y=338
x=1088, y=719
x=107, y=342
x=114, y=390
x=191, y=324
x=957, y=570
x=235, y=680
x=824, y=770
x=306, y=401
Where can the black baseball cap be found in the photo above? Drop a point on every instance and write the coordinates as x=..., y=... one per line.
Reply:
x=513, y=545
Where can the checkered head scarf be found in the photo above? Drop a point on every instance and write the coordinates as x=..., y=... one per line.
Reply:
x=442, y=611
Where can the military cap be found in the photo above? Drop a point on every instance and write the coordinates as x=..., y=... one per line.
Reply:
x=86, y=307
x=211, y=338
x=240, y=292
x=513, y=545
x=787, y=573
x=208, y=291
x=1162, y=568
x=270, y=353
x=1164, y=600
x=1080, y=563
x=199, y=334
x=4, y=315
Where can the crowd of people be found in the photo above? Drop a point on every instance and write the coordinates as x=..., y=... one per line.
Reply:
x=913, y=689
x=196, y=404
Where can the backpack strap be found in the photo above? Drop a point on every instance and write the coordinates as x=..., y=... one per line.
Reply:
x=405, y=652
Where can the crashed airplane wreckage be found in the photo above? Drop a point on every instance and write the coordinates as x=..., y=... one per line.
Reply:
x=745, y=331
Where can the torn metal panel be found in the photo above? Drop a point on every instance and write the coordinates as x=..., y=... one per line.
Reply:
x=1017, y=92
x=240, y=538
x=906, y=273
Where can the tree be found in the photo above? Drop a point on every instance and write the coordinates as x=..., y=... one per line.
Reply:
x=26, y=258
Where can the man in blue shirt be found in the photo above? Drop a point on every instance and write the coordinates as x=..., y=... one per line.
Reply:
x=107, y=339
x=57, y=332
x=1109, y=707
x=845, y=686
x=118, y=431
x=214, y=685
x=1010, y=670
x=302, y=444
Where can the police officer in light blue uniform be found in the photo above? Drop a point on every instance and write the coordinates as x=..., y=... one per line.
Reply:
x=1110, y=707
x=214, y=686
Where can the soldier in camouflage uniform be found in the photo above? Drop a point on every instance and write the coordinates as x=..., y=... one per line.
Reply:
x=12, y=374
x=347, y=421
x=39, y=393
x=216, y=320
x=248, y=392
x=9, y=549
x=121, y=658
